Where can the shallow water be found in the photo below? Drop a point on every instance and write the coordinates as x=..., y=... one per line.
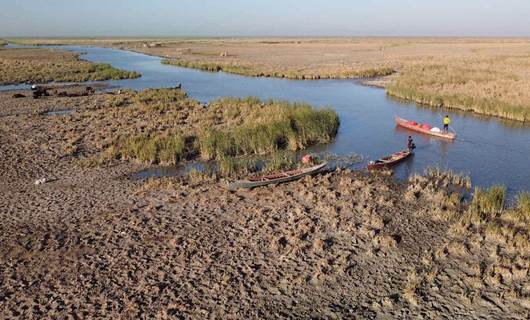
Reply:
x=59, y=112
x=492, y=151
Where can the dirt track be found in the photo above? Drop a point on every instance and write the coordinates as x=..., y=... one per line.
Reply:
x=94, y=243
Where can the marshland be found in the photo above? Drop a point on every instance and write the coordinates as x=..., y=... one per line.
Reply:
x=45, y=65
x=92, y=241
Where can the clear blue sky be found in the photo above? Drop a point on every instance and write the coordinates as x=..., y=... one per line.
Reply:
x=264, y=18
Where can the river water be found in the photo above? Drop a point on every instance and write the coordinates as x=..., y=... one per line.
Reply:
x=490, y=150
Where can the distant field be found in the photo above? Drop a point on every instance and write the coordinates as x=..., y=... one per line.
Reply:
x=45, y=65
x=484, y=75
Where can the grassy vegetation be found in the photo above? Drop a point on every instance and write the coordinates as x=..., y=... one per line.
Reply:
x=489, y=238
x=44, y=65
x=490, y=201
x=464, y=86
x=258, y=71
x=267, y=128
x=168, y=149
x=523, y=203
x=164, y=126
x=2, y=43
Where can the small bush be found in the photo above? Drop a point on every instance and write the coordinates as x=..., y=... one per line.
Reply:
x=523, y=203
x=145, y=149
x=489, y=202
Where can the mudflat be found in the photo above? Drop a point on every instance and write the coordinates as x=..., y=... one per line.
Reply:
x=92, y=242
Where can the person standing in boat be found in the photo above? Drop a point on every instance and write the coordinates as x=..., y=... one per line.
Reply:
x=410, y=145
x=447, y=122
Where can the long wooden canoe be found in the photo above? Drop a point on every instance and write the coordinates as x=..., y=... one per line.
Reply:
x=411, y=125
x=281, y=177
x=390, y=160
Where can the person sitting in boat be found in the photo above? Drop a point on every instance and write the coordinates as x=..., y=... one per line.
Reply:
x=307, y=159
x=410, y=145
x=447, y=122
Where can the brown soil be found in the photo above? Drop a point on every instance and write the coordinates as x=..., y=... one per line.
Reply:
x=94, y=243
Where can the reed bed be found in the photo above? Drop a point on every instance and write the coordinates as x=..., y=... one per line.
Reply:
x=164, y=126
x=44, y=65
x=447, y=177
x=523, y=203
x=263, y=71
x=265, y=128
x=473, y=86
x=490, y=202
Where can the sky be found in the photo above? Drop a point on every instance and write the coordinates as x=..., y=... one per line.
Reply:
x=75, y=18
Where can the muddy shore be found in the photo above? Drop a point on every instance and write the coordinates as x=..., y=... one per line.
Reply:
x=91, y=242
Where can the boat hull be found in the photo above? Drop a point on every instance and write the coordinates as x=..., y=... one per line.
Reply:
x=405, y=124
x=400, y=157
x=287, y=177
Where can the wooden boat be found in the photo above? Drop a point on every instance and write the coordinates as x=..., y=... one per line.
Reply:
x=390, y=160
x=281, y=177
x=423, y=128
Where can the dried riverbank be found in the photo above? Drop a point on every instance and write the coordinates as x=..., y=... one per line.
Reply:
x=93, y=243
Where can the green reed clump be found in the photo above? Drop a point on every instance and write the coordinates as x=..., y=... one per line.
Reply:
x=215, y=67
x=165, y=95
x=313, y=127
x=168, y=149
x=490, y=202
x=215, y=144
x=104, y=71
x=523, y=203
x=281, y=161
x=264, y=138
x=266, y=127
x=231, y=167
x=160, y=99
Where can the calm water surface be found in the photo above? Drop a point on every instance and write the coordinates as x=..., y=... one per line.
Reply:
x=490, y=150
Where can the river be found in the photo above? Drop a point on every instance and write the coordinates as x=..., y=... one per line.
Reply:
x=490, y=150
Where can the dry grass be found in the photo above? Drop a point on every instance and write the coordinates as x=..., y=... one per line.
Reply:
x=488, y=247
x=44, y=65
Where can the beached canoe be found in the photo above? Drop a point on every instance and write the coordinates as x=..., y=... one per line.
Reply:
x=424, y=128
x=390, y=160
x=276, y=177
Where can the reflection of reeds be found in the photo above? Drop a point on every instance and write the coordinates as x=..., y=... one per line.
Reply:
x=43, y=65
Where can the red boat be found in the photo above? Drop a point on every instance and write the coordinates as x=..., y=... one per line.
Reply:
x=390, y=160
x=424, y=128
